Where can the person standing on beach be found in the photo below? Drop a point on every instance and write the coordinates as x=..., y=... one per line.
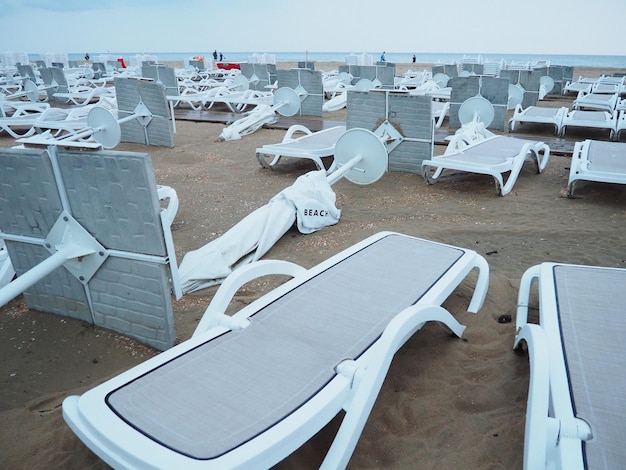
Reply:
x=414, y=58
x=221, y=57
x=382, y=57
x=215, y=54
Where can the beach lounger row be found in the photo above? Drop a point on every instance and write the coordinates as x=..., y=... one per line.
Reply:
x=501, y=157
x=602, y=84
x=562, y=118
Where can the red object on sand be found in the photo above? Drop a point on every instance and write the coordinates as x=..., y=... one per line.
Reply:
x=228, y=65
x=122, y=63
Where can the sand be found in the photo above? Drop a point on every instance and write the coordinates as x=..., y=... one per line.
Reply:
x=446, y=403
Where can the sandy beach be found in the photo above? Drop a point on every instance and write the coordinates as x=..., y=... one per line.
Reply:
x=446, y=403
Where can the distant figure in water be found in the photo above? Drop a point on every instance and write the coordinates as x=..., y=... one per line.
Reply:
x=221, y=57
x=215, y=54
x=87, y=56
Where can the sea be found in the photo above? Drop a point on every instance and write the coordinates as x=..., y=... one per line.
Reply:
x=596, y=61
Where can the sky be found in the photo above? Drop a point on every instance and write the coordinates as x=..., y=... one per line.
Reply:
x=579, y=27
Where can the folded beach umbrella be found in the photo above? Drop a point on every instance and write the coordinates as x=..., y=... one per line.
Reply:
x=309, y=203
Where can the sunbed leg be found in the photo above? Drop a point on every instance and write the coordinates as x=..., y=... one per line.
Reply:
x=368, y=384
x=482, y=284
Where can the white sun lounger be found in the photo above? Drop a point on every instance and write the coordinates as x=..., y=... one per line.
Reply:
x=577, y=87
x=590, y=119
x=596, y=101
x=575, y=417
x=22, y=123
x=248, y=390
x=311, y=145
x=596, y=160
x=538, y=114
x=493, y=156
x=609, y=84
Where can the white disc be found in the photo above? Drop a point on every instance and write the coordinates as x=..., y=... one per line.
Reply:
x=478, y=108
x=516, y=96
x=374, y=162
x=107, y=131
x=32, y=92
x=288, y=100
x=364, y=85
x=240, y=83
x=441, y=79
x=547, y=82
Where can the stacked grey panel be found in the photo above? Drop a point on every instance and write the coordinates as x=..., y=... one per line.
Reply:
x=473, y=69
x=55, y=81
x=154, y=130
x=529, y=81
x=197, y=64
x=308, y=83
x=113, y=197
x=385, y=74
x=306, y=65
x=495, y=90
x=451, y=70
x=264, y=73
x=99, y=70
x=409, y=115
x=162, y=74
x=27, y=72
x=561, y=74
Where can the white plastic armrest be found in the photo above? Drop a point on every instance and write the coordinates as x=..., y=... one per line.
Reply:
x=293, y=129
x=530, y=275
x=215, y=312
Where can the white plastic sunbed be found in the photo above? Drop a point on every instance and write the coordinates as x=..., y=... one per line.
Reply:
x=596, y=160
x=590, y=119
x=538, y=114
x=248, y=390
x=311, y=145
x=575, y=417
x=596, y=101
x=495, y=156
x=21, y=123
x=582, y=85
